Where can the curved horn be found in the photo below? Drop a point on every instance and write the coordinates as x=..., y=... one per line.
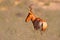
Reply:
x=30, y=7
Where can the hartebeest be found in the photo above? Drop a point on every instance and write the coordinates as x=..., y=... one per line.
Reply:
x=38, y=23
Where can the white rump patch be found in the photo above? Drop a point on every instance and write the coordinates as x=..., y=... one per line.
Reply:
x=44, y=24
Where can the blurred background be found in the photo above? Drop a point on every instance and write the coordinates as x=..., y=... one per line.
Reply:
x=14, y=12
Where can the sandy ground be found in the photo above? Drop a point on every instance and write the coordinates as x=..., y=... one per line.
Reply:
x=14, y=27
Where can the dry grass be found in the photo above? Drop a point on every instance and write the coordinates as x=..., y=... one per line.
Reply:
x=14, y=27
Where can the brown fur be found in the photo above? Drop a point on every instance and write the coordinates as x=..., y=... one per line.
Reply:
x=33, y=18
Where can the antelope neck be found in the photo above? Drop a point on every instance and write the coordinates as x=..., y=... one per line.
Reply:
x=37, y=19
x=33, y=18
